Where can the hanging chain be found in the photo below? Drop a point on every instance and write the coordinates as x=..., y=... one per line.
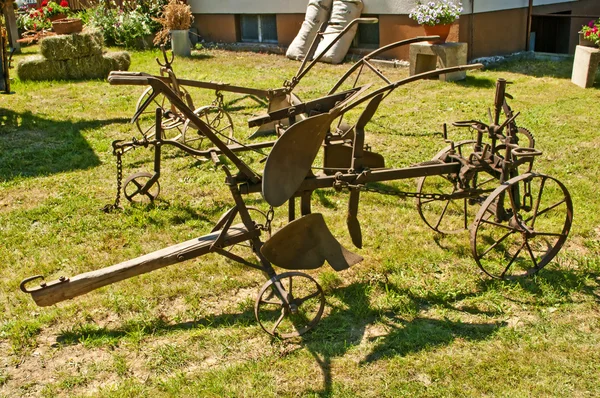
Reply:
x=341, y=185
x=118, y=152
x=527, y=198
x=270, y=215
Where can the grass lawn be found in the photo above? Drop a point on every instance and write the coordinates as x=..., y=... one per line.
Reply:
x=415, y=318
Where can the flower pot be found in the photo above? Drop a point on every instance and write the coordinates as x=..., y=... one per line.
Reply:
x=180, y=43
x=584, y=42
x=66, y=26
x=438, y=30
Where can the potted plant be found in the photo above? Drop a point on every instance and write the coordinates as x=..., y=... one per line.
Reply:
x=176, y=19
x=590, y=34
x=437, y=16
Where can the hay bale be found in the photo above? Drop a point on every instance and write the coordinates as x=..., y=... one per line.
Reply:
x=76, y=45
x=36, y=67
x=119, y=60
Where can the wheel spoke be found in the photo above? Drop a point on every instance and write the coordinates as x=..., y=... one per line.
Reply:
x=549, y=234
x=302, y=300
x=270, y=302
x=497, y=243
x=547, y=209
x=537, y=203
x=512, y=260
x=278, y=322
x=497, y=224
x=442, y=215
x=531, y=253
x=465, y=204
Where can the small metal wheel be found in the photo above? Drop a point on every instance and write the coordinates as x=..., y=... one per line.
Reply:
x=521, y=226
x=172, y=121
x=454, y=215
x=219, y=122
x=296, y=313
x=135, y=190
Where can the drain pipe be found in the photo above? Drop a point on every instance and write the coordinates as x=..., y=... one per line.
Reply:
x=471, y=29
x=528, y=37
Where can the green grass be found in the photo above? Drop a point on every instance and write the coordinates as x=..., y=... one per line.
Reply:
x=415, y=318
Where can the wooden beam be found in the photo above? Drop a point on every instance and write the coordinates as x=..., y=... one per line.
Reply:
x=11, y=25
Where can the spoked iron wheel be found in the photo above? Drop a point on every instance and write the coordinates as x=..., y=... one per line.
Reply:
x=454, y=215
x=133, y=188
x=172, y=122
x=219, y=122
x=521, y=226
x=306, y=304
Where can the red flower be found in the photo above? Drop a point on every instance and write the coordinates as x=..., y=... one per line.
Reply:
x=64, y=3
x=588, y=33
x=44, y=3
x=49, y=9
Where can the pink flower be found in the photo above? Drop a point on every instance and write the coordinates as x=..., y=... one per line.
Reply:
x=595, y=29
x=591, y=24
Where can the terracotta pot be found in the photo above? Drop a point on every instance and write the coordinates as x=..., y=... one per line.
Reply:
x=586, y=43
x=438, y=30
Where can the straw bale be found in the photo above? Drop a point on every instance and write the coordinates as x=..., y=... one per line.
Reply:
x=75, y=45
x=36, y=67
x=95, y=67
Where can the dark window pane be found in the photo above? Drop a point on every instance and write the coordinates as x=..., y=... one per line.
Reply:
x=368, y=35
x=249, y=27
x=268, y=25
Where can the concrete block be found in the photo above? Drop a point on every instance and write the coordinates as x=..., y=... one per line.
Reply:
x=424, y=57
x=585, y=66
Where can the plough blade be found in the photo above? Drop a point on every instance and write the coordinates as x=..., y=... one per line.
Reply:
x=305, y=244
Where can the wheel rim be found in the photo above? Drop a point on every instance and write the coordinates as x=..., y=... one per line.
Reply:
x=172, y=122
x=453, y=215
x=307, y=302
x=526, y=238
x=219, y=122
x=133, y=188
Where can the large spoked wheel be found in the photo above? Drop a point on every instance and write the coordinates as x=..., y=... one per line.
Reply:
x=295, y=314
x=521, y=226
x=135, y=190
x=216, y=119
x=452, y=215
x=172, y=121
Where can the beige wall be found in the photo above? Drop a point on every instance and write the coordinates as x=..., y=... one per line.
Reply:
x=487, y=33
x=217, y=27
x=288, y=26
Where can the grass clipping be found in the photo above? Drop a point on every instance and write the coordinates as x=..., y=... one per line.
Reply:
x=72, y=46
x=174, y=16
x=98, y=66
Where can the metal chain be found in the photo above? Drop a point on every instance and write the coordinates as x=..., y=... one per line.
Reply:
x=340, y=185
x=118, y=152
x=270, y=215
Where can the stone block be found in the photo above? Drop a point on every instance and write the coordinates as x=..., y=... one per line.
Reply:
x=424, y=57
x=585, y=66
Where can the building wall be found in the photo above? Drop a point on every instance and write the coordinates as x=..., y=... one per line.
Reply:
x=495, y=28
x=288, y=26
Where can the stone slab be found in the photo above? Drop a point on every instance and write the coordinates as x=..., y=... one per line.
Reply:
x=585, y=66
x=424, y=57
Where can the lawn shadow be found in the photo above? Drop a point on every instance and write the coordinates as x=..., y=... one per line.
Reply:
x=476, y=81
x=560, y=69
x=345, y=327
x=33, y=146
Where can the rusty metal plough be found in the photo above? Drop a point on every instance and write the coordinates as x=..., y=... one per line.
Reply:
x=522, y=221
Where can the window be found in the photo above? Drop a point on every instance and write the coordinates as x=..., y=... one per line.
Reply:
x=367, y=35
x=258, y=28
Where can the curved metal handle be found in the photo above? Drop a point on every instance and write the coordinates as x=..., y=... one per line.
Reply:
x=526, y=151
x=30, y=279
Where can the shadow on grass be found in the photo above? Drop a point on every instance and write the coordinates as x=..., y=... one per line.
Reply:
x=345, y=327
x=33, y=146
x=560, y=69
x=476, y=81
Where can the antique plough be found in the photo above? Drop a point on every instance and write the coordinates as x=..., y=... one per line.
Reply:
x=522, y=222
x=144, y=186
